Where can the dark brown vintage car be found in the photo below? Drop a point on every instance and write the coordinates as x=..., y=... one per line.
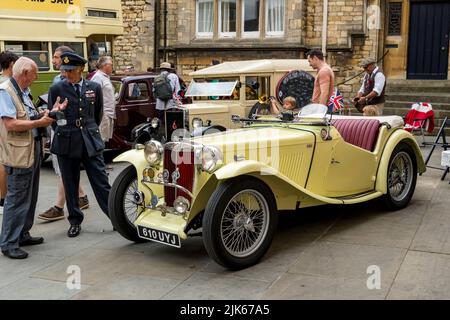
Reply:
x=135, y=105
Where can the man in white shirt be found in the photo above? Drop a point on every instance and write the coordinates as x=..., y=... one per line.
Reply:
x=162, y=105
x=371, y=94
x=102, y=77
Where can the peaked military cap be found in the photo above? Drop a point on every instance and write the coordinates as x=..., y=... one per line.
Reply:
x=70, y=61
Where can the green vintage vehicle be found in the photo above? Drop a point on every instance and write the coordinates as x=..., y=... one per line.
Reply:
x=231, y=185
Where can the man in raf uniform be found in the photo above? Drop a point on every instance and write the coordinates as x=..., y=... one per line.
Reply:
x=79, y=140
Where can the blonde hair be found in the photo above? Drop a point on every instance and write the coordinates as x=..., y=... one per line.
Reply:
x=22, y=65
x=290, y=100
x=370, y=111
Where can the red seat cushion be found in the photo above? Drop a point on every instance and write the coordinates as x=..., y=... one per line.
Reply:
x=362, y=133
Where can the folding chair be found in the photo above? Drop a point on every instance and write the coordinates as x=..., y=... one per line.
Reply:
x=444, y=144
x=420, y=118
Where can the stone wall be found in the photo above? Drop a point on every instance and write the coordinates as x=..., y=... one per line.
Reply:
x=181, y=37
x=366, y=44
x=136, y=47
x=348, y=37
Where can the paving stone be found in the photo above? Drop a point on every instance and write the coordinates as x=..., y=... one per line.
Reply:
x=423, y=276
x=34, y=289
x=128, y=287
x=281, y=255
x=304, y=287
x=434, y=232
x=372, y=225
x=337, y=260
x=95, y=265
x=13, y=270
x=211, y=286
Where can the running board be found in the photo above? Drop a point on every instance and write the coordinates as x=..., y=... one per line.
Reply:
x=360, y=197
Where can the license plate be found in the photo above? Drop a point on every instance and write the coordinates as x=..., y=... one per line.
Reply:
x=168, y=238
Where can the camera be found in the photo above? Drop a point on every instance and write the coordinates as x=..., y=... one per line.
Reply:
x=41, y=132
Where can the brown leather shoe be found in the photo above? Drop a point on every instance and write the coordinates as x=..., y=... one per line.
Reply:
x=52, y=214
x=84, y=202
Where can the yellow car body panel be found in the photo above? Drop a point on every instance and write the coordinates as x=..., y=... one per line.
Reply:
x=136, y=158
x=169, y=223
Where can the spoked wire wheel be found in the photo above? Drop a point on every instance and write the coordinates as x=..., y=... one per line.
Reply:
x=130, y=208
x=244, y=223
x=122, y=207
x=239, y=222
x=400, y=176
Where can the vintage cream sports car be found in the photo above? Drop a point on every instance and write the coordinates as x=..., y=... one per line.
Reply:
x=231, y=185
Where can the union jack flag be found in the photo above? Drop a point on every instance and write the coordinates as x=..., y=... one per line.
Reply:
x=336, y=101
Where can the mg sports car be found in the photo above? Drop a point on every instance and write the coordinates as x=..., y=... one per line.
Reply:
x=231, y=185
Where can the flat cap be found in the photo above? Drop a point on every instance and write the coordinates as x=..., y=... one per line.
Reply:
x=367, y=61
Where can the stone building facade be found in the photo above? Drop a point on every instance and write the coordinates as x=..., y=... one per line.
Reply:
x=136, y=48
x=354, y=29
x=353, y=32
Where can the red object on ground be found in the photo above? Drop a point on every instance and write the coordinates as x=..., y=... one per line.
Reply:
x=420, y=115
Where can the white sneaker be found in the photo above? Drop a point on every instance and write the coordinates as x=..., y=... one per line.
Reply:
x=1, y=211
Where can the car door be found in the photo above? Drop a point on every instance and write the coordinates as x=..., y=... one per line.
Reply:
x=138, y=106
x=351, y=170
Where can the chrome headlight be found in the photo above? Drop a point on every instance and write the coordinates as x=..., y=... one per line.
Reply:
x=181, y=205
x=197, y=123
x=212, y=159
x=155, y=123
x=153, y=152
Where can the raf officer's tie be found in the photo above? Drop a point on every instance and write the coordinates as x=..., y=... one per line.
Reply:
x=77, y=89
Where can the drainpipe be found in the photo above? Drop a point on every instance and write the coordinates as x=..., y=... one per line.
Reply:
x=165, y=30
x=156, y=21
x=325, y=27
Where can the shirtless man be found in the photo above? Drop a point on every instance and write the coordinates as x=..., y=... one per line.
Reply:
x=324, y=83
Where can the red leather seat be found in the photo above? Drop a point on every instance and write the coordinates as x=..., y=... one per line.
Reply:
x=362, y=133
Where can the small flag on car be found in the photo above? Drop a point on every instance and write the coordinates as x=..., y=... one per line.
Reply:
x=336, y=102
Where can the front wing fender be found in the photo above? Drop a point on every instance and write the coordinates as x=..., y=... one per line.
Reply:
x=397, y=137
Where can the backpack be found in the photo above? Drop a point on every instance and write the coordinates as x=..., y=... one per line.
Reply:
x=162, y=88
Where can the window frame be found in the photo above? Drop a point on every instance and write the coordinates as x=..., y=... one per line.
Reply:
x=274, y=34
x=388, y=19
x=129, y=99
x=250, y=34
x=258, y=77
x=31, y=53
x=219, y=18
x=203, y=35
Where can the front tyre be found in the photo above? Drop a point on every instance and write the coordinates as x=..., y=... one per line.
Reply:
x=401, y=177
x=122, y=209
x=239, y=222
